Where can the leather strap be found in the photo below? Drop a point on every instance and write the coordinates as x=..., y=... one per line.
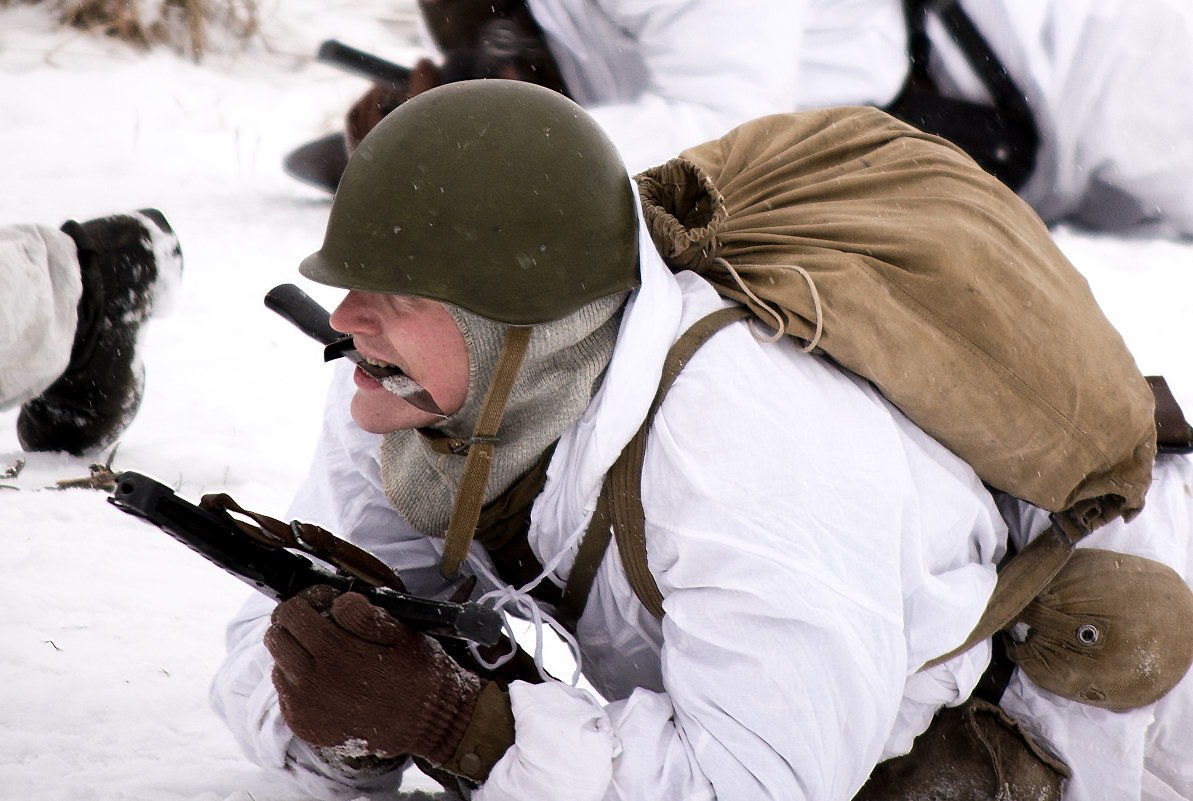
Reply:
x=1173, y=433
x=588, y=558
x=1026, y=575
x=622, y=490
x=306, y=537
x=471, y=495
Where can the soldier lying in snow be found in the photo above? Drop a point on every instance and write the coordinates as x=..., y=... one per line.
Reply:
x=772, y=622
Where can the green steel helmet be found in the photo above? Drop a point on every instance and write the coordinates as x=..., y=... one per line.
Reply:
x=501, y=197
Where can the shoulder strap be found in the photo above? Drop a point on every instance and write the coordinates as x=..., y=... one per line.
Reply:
x=620, y=501
x=919, y=46
x=502, y=530
x=1027, y=574
x=1002, y=137
x=619, y=507
x=588, y=558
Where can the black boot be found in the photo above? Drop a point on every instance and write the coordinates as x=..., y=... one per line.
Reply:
x=128, y=263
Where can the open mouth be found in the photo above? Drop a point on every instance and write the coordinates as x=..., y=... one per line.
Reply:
x=390, y=376
x=313, y=320
x=346, y=348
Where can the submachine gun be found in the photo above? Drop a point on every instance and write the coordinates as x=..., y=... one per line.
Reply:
x=264, y=553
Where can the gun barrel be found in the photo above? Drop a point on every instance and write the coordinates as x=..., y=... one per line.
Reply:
x=366, y=65
x=281, y=573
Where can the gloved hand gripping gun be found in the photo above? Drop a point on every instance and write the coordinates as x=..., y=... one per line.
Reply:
x=263, y=556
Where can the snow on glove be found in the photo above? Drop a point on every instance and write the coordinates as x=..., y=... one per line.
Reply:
x=349, y=676
x=380, y=100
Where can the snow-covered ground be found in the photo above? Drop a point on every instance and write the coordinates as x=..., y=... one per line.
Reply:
x=109, y=630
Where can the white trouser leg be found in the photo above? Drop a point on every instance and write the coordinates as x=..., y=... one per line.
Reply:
x=39, y=296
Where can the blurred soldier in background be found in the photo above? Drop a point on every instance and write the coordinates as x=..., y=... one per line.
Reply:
x=1082, y=106
x=72, y=304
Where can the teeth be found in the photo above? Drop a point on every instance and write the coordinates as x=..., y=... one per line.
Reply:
x=375, y=367
x=377, y=362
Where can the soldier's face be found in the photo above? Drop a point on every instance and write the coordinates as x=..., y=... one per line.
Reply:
x=414, y=334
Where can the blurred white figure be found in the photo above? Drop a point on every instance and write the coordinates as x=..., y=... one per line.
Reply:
x=1108, y=83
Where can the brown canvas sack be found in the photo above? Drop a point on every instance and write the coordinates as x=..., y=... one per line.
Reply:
x=890, y=251
x=932, y=280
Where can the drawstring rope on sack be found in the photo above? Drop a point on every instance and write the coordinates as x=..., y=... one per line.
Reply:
x=778, y=326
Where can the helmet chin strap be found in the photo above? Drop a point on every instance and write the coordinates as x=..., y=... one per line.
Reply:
x=470, y=497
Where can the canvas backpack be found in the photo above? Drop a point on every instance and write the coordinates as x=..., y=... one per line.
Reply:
x=889, y=251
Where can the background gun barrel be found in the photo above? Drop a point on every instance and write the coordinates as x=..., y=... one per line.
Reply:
x=366, y=65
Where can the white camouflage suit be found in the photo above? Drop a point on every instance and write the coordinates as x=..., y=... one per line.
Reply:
x=813, y=547
x=39, y=296
x=1108, y=81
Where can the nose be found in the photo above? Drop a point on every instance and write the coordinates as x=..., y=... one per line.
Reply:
x=354, y=315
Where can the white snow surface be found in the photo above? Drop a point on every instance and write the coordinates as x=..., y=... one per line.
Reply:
x=110, y=631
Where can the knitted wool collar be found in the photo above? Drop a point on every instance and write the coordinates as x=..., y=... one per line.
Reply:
x=559, y=374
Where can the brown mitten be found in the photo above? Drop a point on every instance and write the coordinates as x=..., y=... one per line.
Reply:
x=348, y=674
x=380, y=100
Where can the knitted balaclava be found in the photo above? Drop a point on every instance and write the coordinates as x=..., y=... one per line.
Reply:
x=560, y=372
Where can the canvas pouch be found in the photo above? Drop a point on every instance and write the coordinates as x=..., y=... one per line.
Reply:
x=1112, y=630
x=973, y=752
